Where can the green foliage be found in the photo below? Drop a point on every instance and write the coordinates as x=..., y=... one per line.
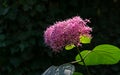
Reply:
x=69, y=47
x=85, y=39
x=101, y=54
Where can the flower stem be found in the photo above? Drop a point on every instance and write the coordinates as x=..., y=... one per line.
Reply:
x=82, y=60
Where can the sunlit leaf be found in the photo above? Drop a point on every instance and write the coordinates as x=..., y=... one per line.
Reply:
x=85, y=39
x=101, y=54
x=69, y=47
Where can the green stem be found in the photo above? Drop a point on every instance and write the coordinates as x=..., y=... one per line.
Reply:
x=83, y=61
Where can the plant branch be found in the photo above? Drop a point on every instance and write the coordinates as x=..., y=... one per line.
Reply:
x=82, y=60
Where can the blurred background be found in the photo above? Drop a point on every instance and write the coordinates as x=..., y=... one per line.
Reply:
x=23, y=22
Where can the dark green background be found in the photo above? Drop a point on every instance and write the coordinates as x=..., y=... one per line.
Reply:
x=23, y=22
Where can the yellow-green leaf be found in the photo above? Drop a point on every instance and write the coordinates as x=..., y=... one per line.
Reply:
x=69, y=47
x=101, y=54
x=85, y=39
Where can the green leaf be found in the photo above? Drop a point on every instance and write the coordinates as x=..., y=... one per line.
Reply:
x=69, y=47
x=101, y=54
x=84, y=54
x=77, y=73
x=85, y=39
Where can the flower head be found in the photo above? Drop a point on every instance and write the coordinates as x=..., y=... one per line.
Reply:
x=66, y=32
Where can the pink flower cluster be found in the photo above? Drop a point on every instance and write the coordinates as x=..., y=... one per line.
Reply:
x=66, y=32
